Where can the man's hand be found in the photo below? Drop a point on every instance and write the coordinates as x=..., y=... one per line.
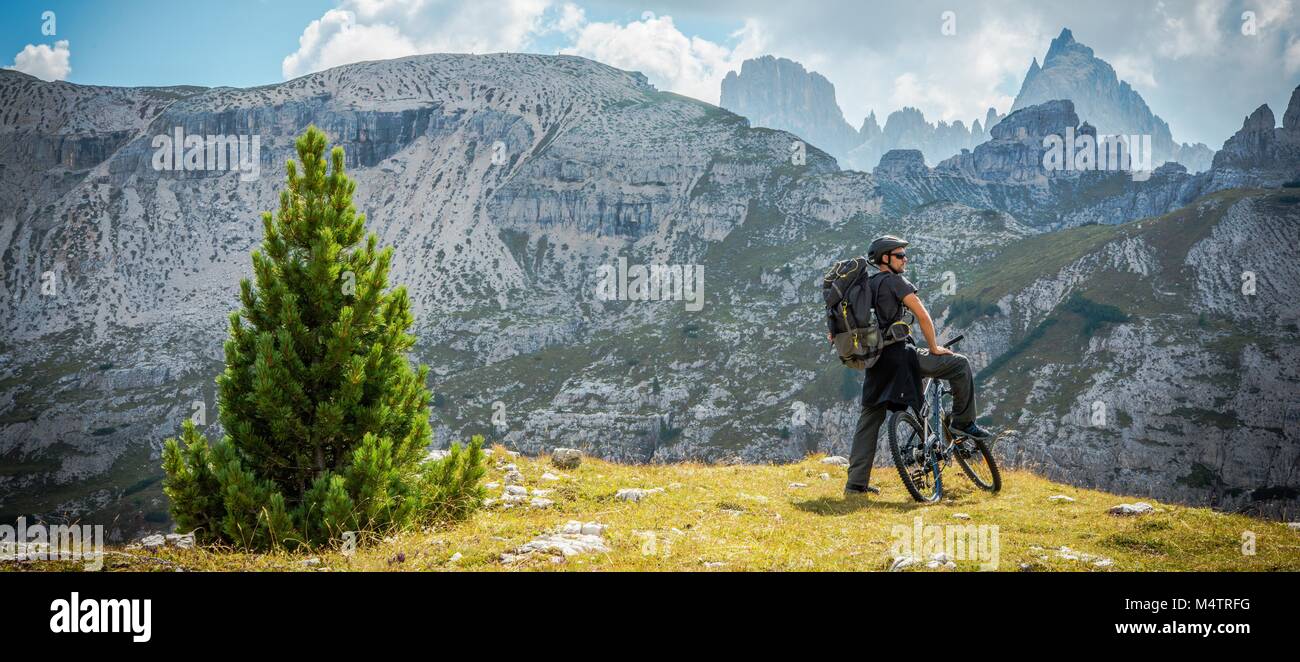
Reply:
x=831, y=337
x=940, y=351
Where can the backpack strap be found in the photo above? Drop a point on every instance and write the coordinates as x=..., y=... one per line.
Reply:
x=886, y=324
x=875, y=292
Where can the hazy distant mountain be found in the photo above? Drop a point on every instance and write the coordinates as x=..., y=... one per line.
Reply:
x=1071, y=71
x=779, y=93
x=908, y=129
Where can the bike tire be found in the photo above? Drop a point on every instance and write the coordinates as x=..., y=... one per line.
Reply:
x=995, y=483
x=897, y=419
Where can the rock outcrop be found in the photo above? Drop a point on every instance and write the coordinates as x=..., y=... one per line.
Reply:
x=1261, y=152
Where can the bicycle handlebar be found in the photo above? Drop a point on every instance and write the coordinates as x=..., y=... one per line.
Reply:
x=954, y=341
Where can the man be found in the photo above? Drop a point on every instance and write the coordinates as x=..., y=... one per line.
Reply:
x=894, y=382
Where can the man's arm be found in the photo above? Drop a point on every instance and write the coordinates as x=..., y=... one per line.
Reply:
x=914, y=304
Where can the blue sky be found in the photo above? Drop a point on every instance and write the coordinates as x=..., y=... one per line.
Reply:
x=238, y=43
x=1189, y=59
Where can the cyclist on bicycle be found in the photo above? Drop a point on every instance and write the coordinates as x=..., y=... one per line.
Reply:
x=894, y=382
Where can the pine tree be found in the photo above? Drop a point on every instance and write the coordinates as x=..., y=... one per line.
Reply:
x=326, y=422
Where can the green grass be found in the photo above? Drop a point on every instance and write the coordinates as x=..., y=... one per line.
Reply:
x=749, y=518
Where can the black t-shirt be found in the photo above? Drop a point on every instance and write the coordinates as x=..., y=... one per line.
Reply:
x=891, y=289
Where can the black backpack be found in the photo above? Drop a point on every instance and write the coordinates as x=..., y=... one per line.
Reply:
x=849, y=291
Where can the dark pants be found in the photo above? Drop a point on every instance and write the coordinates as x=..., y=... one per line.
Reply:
x=953, y=368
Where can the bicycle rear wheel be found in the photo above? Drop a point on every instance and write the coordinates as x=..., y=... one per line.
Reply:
x=906, y=445
x=977, y=461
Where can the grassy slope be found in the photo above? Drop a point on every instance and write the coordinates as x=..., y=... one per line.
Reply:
x=748, y=518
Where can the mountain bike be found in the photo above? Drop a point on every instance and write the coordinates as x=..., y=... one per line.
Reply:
x=922, y=445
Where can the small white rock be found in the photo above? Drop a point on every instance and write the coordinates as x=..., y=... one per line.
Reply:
x=181, y=541
x=518, y=490
x=837, y=460
x=795, y=486
x=960, y=516
x=901, y=562
x=550, y=476
x=1127, y=509
x=455, y=558
x=824, y=476
x=566, y=458
x=539, y=502
x=514, y=478
x=1061, y=498
x=635, y=494
x=154, y=541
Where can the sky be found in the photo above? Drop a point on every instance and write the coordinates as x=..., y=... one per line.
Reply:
x=1202, y=65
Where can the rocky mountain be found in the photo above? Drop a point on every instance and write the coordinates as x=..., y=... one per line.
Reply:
x=1071, y=71
x=908, y=129
x=779, y=93
x=509, y=185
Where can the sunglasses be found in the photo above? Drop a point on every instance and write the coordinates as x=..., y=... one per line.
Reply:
x=901, y=256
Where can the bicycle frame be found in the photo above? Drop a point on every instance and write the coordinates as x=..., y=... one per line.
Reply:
x=930, y=418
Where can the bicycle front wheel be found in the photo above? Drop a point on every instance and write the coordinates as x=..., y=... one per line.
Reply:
x=907, y=446
x=977, y=461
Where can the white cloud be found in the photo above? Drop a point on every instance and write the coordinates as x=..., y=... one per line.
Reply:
x=1194, y=34
x=991, y=58
x=692, y=66
x=43, y=62
x=1272, y=12
x=1292, y=56
x=360, y=30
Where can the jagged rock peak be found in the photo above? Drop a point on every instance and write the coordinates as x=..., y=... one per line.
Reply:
x=1261, y=153
x=870, y=127
x=1071, y=70
x=1260, y=120
x=780, y=93
x=1291, y=118
x=1063, y=43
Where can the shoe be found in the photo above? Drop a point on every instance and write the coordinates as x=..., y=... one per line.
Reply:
x=850, y=491
x=973, y=431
